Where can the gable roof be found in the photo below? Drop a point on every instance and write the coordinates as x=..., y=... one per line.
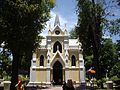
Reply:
x=60, y=60
x=57, y=54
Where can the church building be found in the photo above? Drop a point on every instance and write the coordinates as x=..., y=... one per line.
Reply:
x=58, y=58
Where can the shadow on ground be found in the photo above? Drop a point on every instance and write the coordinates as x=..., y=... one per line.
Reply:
x=86, y=88
x=36, y=88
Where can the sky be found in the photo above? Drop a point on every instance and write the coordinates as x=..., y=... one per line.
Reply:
x=66, y=9
x=114, y=10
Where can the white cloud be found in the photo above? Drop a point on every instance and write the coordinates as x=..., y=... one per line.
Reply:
x=70, y=24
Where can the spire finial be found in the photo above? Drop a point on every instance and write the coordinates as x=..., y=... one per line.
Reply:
x=57, y=22
x=49, y=26
x=65, y=25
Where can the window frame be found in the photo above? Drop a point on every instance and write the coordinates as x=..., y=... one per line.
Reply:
x=41, y=60
x=73, y=60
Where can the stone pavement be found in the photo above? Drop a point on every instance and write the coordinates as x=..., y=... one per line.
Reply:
x=77, y=87
x=53, y=88
x=60, y=88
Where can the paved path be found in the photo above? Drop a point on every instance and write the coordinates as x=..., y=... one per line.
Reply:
x=53, y=88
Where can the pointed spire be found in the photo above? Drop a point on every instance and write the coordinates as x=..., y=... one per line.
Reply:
x=65, y=26
x=50, y=26
x=57, y=22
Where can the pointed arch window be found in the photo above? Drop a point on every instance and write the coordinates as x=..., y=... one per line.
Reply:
x=73, y=60
x=57, y=46
x=41, y=60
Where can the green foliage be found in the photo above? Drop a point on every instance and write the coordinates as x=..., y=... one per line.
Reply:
x=5, y=63
x=108, y=56
x=115, y=71
x=114, y=24
x=114, y=27
x=97, y=52
x=108, y=59
x=88, y=61
x=89, y=26
x=100, y=82
x=86, y=21
x=118, y=49
x=73, y=34
x=103, y=80
x=7, y=77
x=87, y=80
x=114, y=78
x=23, y=78
x=21, y=21
x=24, y=20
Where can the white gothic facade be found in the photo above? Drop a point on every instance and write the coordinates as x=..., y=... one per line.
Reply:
x=58, y=58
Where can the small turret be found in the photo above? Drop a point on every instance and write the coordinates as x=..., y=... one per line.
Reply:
x=65, y=30
x=49, y=31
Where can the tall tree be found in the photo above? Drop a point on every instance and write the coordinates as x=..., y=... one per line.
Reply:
x=21, y=21
x=89, y=29
x=108, y=55
x=115, y=71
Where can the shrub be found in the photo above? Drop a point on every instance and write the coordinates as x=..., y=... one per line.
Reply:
x=116, y=80
x=23, y=78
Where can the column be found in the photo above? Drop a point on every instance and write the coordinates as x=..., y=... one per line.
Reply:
x=48, y=76
x=66, y=47
x=32, y=68
x=66, y=74
x=82, y=68
x=48, y=67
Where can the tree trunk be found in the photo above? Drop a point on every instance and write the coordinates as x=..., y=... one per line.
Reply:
x=101, y=85
x=96, y=36
x=96, y=65
x=29, y=57
x=14, y=79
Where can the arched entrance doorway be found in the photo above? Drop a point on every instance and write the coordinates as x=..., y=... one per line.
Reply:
x=58, y=73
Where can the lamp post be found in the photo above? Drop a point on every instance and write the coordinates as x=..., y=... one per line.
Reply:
x=7, y=71
x=107, y=75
